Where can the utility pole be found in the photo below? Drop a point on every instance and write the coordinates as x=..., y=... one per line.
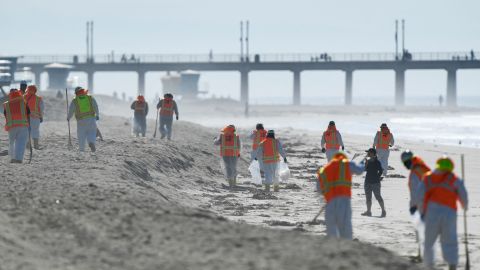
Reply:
x=88, y=40
x=91, y=40
x=241, y=41
x=403, y=35
x=247, y=41
x=396, y=39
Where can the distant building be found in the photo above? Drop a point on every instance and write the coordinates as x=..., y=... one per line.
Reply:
x=184, y=84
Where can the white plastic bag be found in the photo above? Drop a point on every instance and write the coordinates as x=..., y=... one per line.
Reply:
x=254, y=169
x=283, y=171
x=419, y=226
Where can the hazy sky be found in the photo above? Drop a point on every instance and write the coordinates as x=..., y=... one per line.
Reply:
x=302, y=26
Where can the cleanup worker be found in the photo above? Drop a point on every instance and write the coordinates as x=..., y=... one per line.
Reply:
x=16, y=115
x=23, y=87
x=230, y=145
x=268, y=154
x=36, y=106
x=437, y=195
x=167, y=107
x=373, y=182
x=257, y=136
x=335, y=180
x=418, y=169
x=331, y=141
x=86, y=113
x=382, y=142
x=140, y=107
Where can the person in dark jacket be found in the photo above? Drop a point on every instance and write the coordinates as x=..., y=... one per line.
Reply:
x=374, y=170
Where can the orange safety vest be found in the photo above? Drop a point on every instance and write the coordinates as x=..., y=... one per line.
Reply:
x=440, y=188
x=383, y=139
x=167, y=107
x=270, y=151
x=16, y=113
x=230, y=146
x=260, y=135
x=418, y=169
x=331, y=141
x=140, y=106
x=335, y=179
x=33, y=103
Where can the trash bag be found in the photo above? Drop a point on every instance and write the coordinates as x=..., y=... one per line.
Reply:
x=419, y=226
x=254, y=169
x=283, y=171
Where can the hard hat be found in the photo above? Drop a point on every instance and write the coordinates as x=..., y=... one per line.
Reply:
x=23, y=82
x=331, y=123
x=445, y=164
x=78, y=88
x=259, y=126
x=271, y=132
x=340, y=155
x=383, y=125
x=406, y=155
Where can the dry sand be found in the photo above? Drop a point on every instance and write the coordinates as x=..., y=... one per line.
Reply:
x=141, y=203
x=151, y=204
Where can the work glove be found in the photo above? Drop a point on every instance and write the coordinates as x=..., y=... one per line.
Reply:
x=413, y=209
x=324, y=150
x=343, y=148
x=422, y=217
x=98, y=117
x=177, y=117
x=41, y=119
x=285, y=159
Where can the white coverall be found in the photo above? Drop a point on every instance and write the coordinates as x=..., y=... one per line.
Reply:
x=338, y=212
x=441, y=220
x=415, y=181
x=331, y=152
x=270, y=169
x=383, y=154
x=86, y=128
x=18, y=137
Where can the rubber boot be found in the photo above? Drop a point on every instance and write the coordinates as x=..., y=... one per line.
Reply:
x=267, y=187
x=15, y=161
x=276, y=188
x=92, y=147
x=452, y=267
x=234, y=181
x=230, y=183
x=35, y=144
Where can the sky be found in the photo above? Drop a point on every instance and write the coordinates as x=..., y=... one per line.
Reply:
x=301, y=26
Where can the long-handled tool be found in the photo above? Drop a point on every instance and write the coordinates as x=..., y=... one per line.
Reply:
x=156, y=121
x=70, y=146
x=318, y=214
x=467, y=253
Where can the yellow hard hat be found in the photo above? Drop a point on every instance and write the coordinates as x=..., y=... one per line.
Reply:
x=340, y=155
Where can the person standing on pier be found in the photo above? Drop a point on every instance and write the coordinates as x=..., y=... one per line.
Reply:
x=167, y=107
x=36, y=106
x=86, y=113
x=382, y=142
x=331, y=141
x=140, y=107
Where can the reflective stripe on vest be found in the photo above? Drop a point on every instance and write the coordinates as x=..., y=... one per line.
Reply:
x=33, y=103
x=16, y=113
x=84, y=107
x=260, y=135
x=140, y=106
x=440, y=188
x=229, y=146
x=167, y=107
x=383, y=140
x=331, y=141
x=270, y=151
x=335, y=180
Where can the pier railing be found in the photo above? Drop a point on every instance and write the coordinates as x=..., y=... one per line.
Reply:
x=233, y=58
